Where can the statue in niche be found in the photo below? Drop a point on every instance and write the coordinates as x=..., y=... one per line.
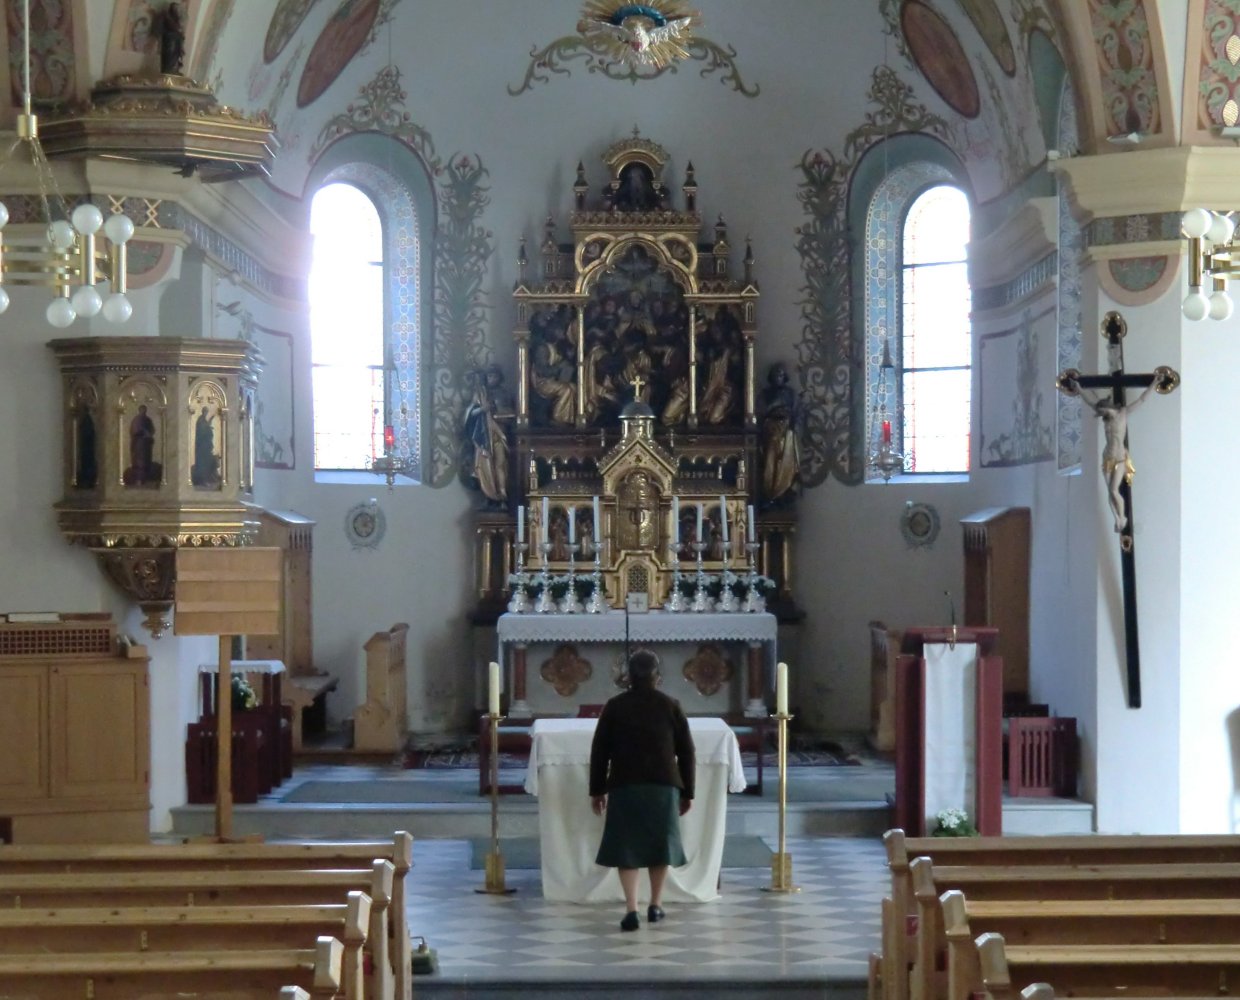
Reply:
x=205, y=472
x=172, y=41
x=86, y=471
x=781, y=462
x=143, y=470
x=637, y=499
x=636, y=190
x=718, y=353
x=486, y=441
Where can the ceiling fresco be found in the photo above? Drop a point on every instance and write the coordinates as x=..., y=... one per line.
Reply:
x=937, y=52
x=285, y=21
x=990, y=25
x=341, y=39
x=53, y=62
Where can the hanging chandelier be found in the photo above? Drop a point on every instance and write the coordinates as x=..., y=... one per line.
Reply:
x=1210, y=255
x=884, y=458
x=70, y=251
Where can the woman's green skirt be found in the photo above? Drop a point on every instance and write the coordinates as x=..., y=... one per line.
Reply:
x=642, y=828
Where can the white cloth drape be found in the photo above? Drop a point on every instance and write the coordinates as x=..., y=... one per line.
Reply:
x=950, y=759
x=559, y=774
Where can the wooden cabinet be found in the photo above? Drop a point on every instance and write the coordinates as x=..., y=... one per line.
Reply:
x=74, y=734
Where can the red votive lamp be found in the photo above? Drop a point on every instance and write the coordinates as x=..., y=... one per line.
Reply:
x=886, y=432
x=389, y=437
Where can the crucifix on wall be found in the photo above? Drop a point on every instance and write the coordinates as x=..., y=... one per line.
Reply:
x=1105, y=395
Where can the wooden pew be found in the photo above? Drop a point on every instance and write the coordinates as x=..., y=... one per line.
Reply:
x=33, y=934
x=257, y=887
x=1173, y=970
x=32, y=858
x=297, y=993
x=238, y=974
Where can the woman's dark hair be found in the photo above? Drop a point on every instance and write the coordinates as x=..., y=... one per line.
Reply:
x=643, y=669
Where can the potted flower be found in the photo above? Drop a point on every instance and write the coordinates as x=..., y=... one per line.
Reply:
x=528, y=582
x=953, y=823
x=243, y=696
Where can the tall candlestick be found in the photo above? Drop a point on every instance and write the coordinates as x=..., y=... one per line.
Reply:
x=781, y=689
x=493, y=689
x=545, y=515
x=598, y=527
x=749, y=514
x=723, y=518
x=676, y=521
x=699, y=531
x=520, y=525
x=572, y=525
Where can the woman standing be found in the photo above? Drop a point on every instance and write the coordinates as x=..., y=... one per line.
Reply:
x=641, y=776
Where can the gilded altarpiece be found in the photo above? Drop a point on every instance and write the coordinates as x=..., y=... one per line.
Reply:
x=635, y=384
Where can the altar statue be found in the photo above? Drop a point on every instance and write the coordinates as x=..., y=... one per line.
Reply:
x=486, y=449
x=781, y=463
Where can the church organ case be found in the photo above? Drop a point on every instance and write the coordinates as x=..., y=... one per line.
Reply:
x=74, y=733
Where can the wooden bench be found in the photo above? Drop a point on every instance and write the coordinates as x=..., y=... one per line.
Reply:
x=36, y=933
x=1173, y=970
x=213, y=888
x=380, y=723
x=890, y=969
x=68, y=859
x=238, y=974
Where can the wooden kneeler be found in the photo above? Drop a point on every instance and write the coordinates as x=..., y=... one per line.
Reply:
x=227, y=592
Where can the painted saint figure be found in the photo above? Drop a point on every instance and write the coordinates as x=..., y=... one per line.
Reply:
x=172, y=41
x=143, y=469
x=486, y=458
x=205, y=471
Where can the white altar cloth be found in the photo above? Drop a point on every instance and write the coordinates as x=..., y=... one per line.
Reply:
x=569, y=832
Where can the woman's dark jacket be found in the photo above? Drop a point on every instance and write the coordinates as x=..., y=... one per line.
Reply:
x=642, y=738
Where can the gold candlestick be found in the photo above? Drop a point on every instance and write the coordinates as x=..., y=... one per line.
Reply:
x=494, y=884
x=781, y=861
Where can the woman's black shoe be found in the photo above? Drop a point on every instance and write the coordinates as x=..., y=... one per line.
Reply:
x=654, y=914
x=630, y=921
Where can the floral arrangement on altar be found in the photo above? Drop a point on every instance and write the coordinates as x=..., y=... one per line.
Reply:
x=953, y=823
x=556, y=585
x=243, y=696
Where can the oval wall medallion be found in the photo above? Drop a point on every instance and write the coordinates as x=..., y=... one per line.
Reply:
x=284, y=24
x=990, y=25
x=937, y=52
x=340, y=41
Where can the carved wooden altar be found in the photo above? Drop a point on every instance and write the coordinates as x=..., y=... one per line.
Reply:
x=635, y=384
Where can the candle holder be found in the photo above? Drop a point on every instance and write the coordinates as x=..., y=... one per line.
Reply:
x=754, y=601
x=520, y=601
x=676, y=600
x=727, y=599
x=781, y=861
x=570, y=603
x=597, y=603
x=701, y=599
x=545, y=603
x=494, y=884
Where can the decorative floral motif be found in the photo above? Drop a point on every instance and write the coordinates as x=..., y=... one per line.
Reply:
x=827, y=355
x=1126, y=64
x=1137, y=274
x=52, y=58
x=1219, y=86
x=596, y=54
x=566, y=670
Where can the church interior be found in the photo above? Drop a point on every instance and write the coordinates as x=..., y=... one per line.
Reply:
x=654, y=353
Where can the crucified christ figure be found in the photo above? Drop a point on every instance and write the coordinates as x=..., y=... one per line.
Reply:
x=1116, y=462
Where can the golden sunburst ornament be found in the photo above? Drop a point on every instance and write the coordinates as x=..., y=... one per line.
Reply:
x=640, y=34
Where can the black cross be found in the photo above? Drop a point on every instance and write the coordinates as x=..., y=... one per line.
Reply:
x=1163, y=380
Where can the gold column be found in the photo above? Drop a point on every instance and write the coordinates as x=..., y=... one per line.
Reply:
x=483, y=541
x=693, y=367
x=506, y=543
x=581, y=368
x=785, y=556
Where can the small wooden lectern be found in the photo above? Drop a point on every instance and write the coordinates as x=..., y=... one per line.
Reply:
x=949, y=728
x=227, y=592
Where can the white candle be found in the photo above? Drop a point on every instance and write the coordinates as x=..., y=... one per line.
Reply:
x=520, y=525
x=676, y=521
x=545, y=515
x=750, y=515
x=598, y=524
x=781, y=689
x=493, y=689
x=699, y=533
x=572, y=525
x=723, y=517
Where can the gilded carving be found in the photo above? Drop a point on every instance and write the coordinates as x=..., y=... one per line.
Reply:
x=566, y=670
x=708, y=669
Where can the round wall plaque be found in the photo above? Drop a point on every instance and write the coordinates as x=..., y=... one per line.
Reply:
x=364, y=525
x=919, y=524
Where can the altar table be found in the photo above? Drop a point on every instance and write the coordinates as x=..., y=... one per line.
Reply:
x=758, y=631
x=569, y=832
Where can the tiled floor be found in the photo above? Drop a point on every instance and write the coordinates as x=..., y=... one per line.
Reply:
x=824, y=932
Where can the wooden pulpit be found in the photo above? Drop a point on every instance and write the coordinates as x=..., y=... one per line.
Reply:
x=948, y=722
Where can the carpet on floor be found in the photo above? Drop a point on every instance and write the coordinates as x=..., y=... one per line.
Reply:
x=739, y=851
